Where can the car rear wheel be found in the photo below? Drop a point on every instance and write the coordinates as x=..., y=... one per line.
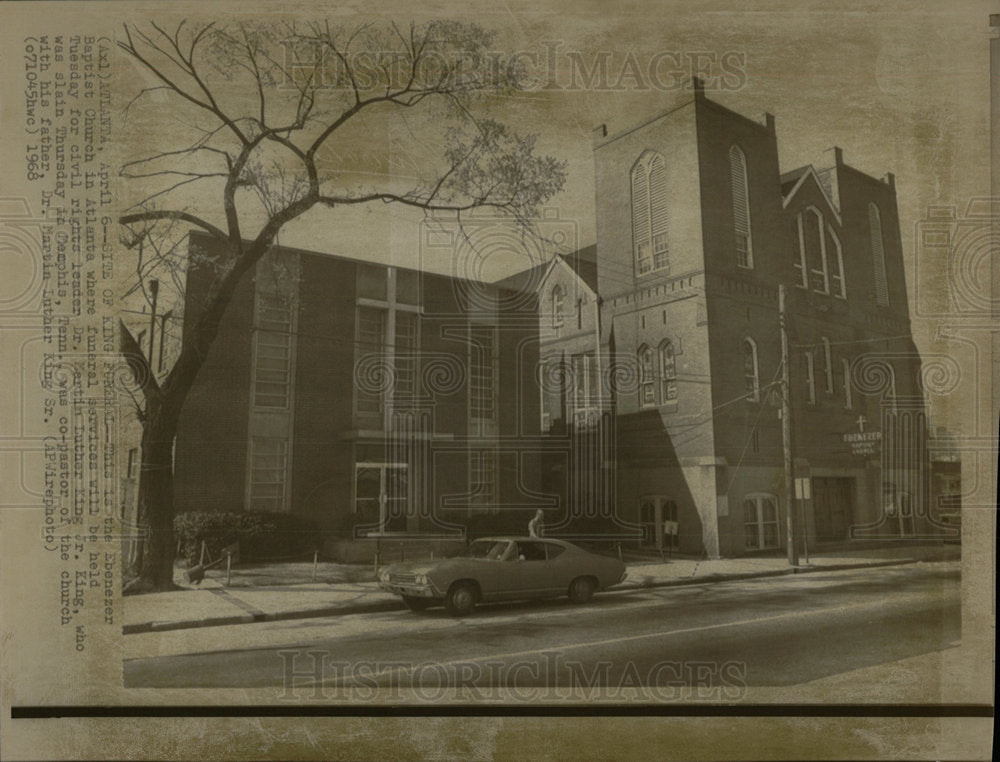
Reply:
x=581, y=589
x=416, y=604
x=461, y=599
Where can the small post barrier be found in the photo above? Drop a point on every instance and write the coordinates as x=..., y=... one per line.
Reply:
x=315, y=562
x=229, y=567
x=619, y=546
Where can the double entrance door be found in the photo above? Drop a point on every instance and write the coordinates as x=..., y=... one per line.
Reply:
x=658, y=516
x=381, y=497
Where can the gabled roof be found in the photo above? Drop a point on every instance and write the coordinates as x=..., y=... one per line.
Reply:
x=792, y=181
x=526, y=280
x=535, y=277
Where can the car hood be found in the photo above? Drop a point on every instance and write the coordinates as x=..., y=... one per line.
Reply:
x=413, y=567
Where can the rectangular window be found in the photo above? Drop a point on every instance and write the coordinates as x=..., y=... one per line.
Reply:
x=370, y=349
x=647, y=381
x=810, y=379
x=668, y=373
x=272, y=351
x=406, y=356
x=760, y=522
x=482, y=379
x=828, y=365
x=661, y=251
x=584, y=380
x=132, y=469
x=268, y=465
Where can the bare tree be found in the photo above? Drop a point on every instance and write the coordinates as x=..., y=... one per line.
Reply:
x=260, y=110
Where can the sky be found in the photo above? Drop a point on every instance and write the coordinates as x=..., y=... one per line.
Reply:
x=900, y=87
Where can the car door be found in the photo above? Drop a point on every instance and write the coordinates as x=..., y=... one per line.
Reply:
x=497, y=574
x=534, y=578
x=562, y=568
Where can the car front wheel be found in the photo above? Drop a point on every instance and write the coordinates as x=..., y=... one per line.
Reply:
x=581, y=589
x=417, y=604
x=461, y=599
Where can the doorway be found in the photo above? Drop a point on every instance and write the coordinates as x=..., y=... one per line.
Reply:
x=833, y=507
x=381, y=496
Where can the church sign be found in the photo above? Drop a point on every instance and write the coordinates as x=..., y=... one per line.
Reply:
x=863, y=442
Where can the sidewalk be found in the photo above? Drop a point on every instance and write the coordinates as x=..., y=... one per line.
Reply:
x=212, y=604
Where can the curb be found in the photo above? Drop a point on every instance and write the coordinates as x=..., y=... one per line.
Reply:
x=382, y=606
x=709, y=578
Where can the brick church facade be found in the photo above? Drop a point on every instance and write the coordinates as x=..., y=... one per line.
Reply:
x=630, y=389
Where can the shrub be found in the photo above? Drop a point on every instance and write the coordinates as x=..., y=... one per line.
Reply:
x=262, y=536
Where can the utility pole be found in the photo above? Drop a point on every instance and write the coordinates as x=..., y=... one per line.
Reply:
x=786, y=437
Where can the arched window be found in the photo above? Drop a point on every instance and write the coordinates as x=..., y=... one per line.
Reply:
x=816, y=250
x=649, y=214
x=837, y=285
x=799, y=260
x=647, y=386
x=558, y=297
x=668, y=372
x=751, y=376
x=741, y=206
x=878, y=256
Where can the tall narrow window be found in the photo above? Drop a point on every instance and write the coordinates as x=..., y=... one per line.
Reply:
x=268, y=465
x=371, y=341
x=751, y=371
x=649, y=214
x=816, y=248
x=584, y=380
x=827, y=365
x=845, y=365
x=272, y=351
x=647, y=384
x=558, y=297
x=799, y=233
x=836, y=256
x=482, y=379
x=668, y=372
x=405, y=357
x=810, y=378
x=878, y=256
x=741, y=207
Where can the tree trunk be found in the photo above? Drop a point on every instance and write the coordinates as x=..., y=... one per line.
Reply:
x=155, y=506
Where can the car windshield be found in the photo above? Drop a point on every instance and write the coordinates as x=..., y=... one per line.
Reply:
x=491, y=549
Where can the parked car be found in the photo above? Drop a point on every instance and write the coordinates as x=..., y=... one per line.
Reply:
x=502, y=569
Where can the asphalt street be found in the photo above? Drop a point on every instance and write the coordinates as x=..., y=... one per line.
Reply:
x=715, y=638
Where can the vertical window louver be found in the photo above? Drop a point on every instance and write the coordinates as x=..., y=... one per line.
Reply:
x=878, y=257
x=649, y=214
x=741, y=207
